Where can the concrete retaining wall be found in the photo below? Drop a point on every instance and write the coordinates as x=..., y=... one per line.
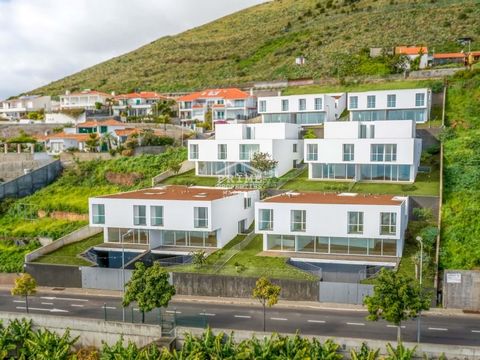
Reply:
x=92, y=332
x=76, y=236
x=186, y=166
x=103, y=279
x=236, y=286
x=427, y=202
x=7, y=279
x=55, y=275
x=149, y=150
x=461, y=290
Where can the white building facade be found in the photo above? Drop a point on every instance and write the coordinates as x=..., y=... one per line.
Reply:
x=234, y=145
x=407, y=104
x=311, y=109
x=86, y=99
x=385, y=151
x=137, y=104
x=16, y=109
x=174, y=216
x=343, y=225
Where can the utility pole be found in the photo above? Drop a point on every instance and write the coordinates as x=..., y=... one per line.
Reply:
x=420, y=240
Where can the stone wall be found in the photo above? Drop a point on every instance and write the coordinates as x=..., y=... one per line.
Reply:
x=461, y=290
x=55, y=275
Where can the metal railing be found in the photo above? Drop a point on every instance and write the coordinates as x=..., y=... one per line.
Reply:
x=308, y=267
x=230, y=253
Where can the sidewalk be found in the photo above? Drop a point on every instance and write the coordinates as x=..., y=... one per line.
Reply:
x=310, y=305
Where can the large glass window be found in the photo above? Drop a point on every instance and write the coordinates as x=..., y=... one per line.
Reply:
x=389, y=247
x=302, y=104
x=377, y=151
x=279, y=118
x=318, y=103
x=262, y=106
x=298, y=220
x=383, y=152
x=139, y=215
x=306, y=243
x=200, y=217
x=247, y=151
x=312, y=152
x=348, y=152
x=358, y=246
x=156, y=215
x=274, y=242
x=420, y=99
x=338, y=245
x=353, y=102
x=371, y=115
x=222, y=151
x=322, y=245
x=284, y=105
x=265, y=217
x=333, y=171
x=309, y=118
x=98, y=214
x=127, y=236
x=391, y=101
x=193, y=151
x=391, y=152
x=371, y=100
x=355, y=222
x=385, y=172
x=388, y=223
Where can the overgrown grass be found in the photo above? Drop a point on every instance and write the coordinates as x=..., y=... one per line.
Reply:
x=69, y=254
x=11, y=255
x=190, y=179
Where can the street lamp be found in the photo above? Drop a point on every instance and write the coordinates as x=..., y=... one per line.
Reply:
x=420, y=240
x=123, y=270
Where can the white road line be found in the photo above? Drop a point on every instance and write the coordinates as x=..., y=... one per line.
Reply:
x=355, y=324
x=279, y=319
x=394, y=326
x=243, y=316
x=59, y=298
x=475, y=331
x=207, y=314
x=40, y=309
x=173, y=312
x=76, y=305
x=437, y=329
x=317, y=321
x=19, y=301
x=45, y=303
x=110, y=307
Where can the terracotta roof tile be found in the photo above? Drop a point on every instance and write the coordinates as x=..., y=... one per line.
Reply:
x=411, y=50
x=449, y=55
x=66, y=136
x=95, y=123
x=229, y=93
x=333, y=198
x=141, y=95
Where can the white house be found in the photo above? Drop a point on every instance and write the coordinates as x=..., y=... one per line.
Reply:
x=137, y=104
x=406, y=104
x=343, y=228
x=18, y=108
x=312, y=109
x=234, y=145
x=176, y=217
x=86, y=99
x=412, y=53
x=225, y=104
x=386, y=151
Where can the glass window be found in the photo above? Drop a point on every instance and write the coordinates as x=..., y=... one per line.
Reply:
x=156, y=215
x=247, y=151
x=355, y=222
x=239, y=103
x=284, y=105
x=168, y=238
x=180, y=238
x=200, y=217
x=310, y=118
x=391, y=101
x=247, y=202
x=391, y=152
x=322, y=245
x=265, y=219
x=288, y=242
x=312, y=152
x=193, y=151
x=113, y=235
x=358, y=246
x=389, y=247
x=371, y=101
x=420, y=99
x=274, y=242
x=302, y=104
x=98, y=214
x=318, y=103
x=388, y=223
x=298, y=220
x=306, y=243
x=211, y=239
x=139, y=215
x=222, y=151
x=375, y=247
x=353, y=102
x=294, y=148
x=196, y=238
x=338, y=245
x=262, y=106
x=348, y=152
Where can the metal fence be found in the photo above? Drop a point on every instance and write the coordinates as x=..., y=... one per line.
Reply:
x=344, y=293
x=103, y=278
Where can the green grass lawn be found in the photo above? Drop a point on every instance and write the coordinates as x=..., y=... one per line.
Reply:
x=246, y=263
x=68, y=255
x=189, y=178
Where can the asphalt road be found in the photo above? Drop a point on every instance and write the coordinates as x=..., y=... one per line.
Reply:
x=440, y=329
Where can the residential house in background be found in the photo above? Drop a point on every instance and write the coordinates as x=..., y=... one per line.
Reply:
x=137, y=104
x=234, y=145
x=86, y=99
x=345, y=228
x=173, y=219
x=311, y=109
x=449, y=58
x=57, y=143
x=224, y=104
x=414, y=52
x=405, y=104
x=385, y=151
x=15, y=109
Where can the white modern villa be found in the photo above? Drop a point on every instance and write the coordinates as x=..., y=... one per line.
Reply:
x=407, y=104
x=386, y=151
x=343, y=228
x=15, y=109
x=136, y=104
x=234, y=145
x=225, y=104
x=176, y=218
x=86, y=99
x=311, y=109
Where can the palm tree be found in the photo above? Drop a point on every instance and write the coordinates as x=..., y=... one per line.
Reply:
x=92, y=142
x=108, y=139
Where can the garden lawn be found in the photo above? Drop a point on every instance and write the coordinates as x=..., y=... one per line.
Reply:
x=189, y=178
x=68, y=254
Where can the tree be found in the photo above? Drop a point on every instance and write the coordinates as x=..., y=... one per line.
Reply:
x=92, y=142
x=396, y=298
x=98, y=106
x=164, y=111
x=108, y=139
x=199, y=258
x=174, y=165
x=149, y=288
x=164, y=119
x=309, y=134
x=25, y=285
x=266, y=293
x=263, y=162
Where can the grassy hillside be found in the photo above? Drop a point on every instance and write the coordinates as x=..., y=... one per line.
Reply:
x=260, y=43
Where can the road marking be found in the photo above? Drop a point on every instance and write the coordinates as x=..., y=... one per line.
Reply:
x=40, y=309
x=394, y=326
x=76, y=305
x=45, y=303
x=317, y=321
x=279, y=319
x=110, y=307
x=173, y=312
x=243, y=316
x=65, y=299
x=355, y=324
x=475, y=331
x=206, y=314
x=19, y=301
x=437, y=329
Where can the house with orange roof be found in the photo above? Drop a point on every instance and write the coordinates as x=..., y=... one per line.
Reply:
x=224, y=104
x=137, y=103
x=59, y=142
x=413, y=52
x=86, y=99
x=449, y=58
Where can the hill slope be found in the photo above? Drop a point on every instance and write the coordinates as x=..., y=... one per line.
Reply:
x=260, y=43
